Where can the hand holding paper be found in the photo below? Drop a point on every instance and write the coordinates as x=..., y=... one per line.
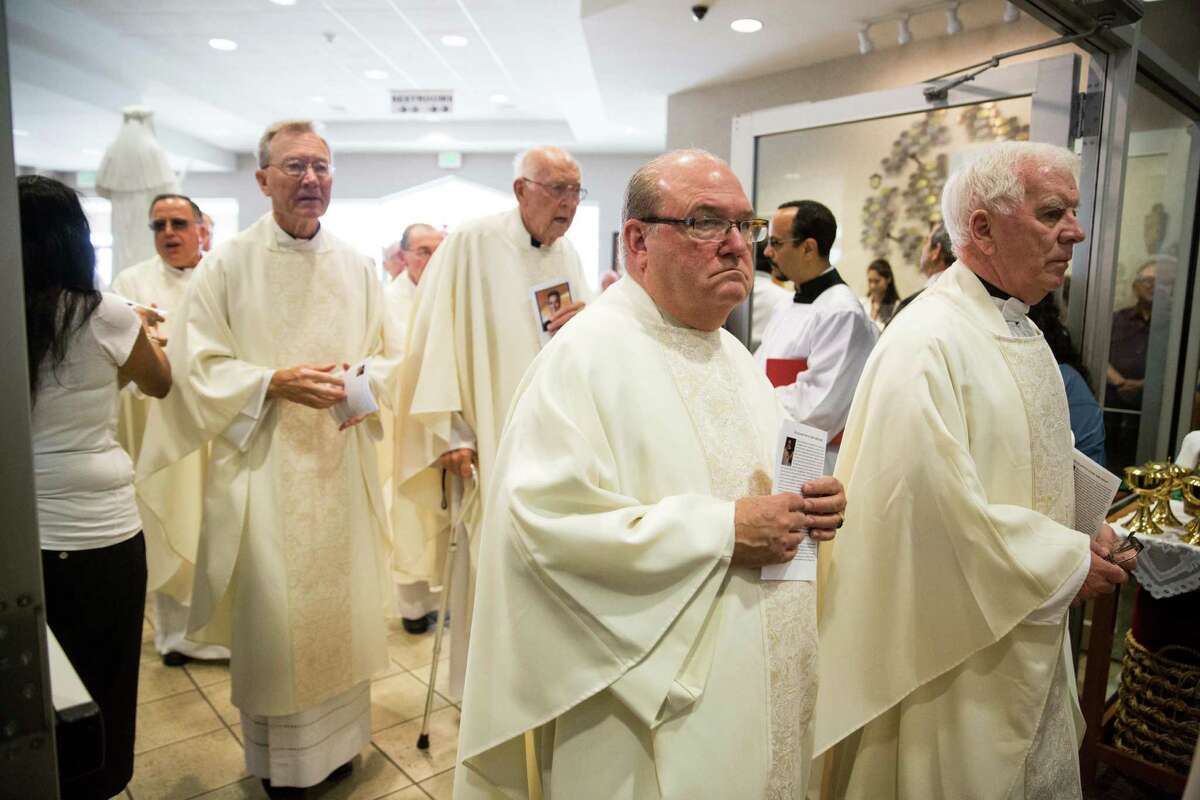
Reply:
x=799, y=461
x=359, y=402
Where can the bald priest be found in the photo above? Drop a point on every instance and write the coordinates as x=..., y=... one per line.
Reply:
x=624, y=644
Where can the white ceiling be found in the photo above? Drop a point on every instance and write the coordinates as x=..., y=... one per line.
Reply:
x=591, y=75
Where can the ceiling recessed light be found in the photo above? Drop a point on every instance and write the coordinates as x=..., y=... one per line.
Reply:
x=284, y=2
x=316, y=98
x=20, y=132
x=629, y=129
x=375, y=74
x=222, y=44
x=454, y=40
x=499, y=99
x=746, y=25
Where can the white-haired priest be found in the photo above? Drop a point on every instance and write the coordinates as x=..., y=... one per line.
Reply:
x=622, y=626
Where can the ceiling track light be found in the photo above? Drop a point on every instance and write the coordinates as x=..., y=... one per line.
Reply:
x=1011, y=12
x=865, y=45
x=903, y=31
x=953, y=23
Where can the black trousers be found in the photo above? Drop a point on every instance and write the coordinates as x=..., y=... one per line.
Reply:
x=95, y=602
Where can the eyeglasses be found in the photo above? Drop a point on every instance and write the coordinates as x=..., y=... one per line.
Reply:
x=1126, y=551
x=298, y=168
x=560, y=190
x=176, y=223
x=714, y=229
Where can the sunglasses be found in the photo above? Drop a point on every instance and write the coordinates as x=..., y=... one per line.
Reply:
x=176, y=223
x=1126, y=551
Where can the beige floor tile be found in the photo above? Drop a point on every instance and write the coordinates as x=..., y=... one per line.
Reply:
x=218, y=695
x=147, y=630
x=181, y=716
x=411, y=793
x=440, y=787
x=413, y=652
x=398, y=699
x=206, y=673
x=188, y=768
x=373, y=777
x=156, y=681
x=443, y=678
x=400, y=743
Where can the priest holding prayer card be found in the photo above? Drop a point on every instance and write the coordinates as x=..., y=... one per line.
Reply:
x=945, y=664
x=292, y=569
x=625, y=644
x=475, y=328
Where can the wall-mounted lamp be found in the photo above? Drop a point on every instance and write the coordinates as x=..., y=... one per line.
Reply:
x=1011, y=12
x=903, y=31
x=865, y=45
x=953, y=23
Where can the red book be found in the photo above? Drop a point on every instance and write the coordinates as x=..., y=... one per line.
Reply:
x=783, y=371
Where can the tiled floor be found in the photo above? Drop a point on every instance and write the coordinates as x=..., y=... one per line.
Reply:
x=188, y=734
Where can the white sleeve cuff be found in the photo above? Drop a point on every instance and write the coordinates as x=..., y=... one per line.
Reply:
x=461, y=435
x=243, y=426
x=1053, y=610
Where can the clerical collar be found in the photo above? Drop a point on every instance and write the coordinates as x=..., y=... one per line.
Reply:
x=533, y=240
x=994, y=291
x=809, y=291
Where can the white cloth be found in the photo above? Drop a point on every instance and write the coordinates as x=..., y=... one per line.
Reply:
x=473, y=332
x=170, y=631
x=1168, y=566
x=84, y=479
x=291, y=570
x=609, y=620
x=302, y=749
x=768, y=297
x=834, y=336
x=416, y=600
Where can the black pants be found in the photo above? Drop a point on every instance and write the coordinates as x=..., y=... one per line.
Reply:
x=95, y=601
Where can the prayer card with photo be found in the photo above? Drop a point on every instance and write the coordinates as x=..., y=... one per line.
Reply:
x=799, y=458
x=547, y=299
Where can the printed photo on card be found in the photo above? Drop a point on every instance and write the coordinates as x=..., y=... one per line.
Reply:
x=548, y=299
x=799, y=458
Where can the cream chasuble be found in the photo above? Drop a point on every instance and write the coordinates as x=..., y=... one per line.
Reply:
x=935, y=683
x=172, y=538
x=472, y=336
x=610, y=622
x=292, y=566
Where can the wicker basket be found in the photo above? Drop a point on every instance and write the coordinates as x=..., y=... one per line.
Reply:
x=1158, y=705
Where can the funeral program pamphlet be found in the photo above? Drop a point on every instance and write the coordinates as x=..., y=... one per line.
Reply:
x=799, y=458
x=1095, y=488
x=359, y=399
x=547, y=299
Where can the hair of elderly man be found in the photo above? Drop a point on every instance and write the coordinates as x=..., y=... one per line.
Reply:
x=995, y=182
x=196, y=212
x=416, y=227
x=286, y=126
x=939, y=237
x=521, y=165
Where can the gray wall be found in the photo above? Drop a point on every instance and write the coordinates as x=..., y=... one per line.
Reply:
x=364, y=176
x=703, y=117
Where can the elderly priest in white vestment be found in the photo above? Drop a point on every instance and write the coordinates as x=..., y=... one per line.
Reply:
x=623, y=633
x=171, y=503
x=292, y=569
x=473, y=333
x=945, y=667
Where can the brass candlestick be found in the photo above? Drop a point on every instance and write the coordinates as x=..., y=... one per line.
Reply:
x=1144, y=483
x=1161, y=510
x=1190, y=486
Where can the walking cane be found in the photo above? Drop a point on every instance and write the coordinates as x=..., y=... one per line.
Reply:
x=455, y=506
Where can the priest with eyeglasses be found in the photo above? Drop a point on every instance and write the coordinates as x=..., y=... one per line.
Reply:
x=475, y=329
x=292, y=572
x=625, y=645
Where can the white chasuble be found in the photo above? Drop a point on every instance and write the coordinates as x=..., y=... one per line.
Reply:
x=292, y=566
x=939, y=676
x=472, y=335
x=609, y=621
x=171, y=538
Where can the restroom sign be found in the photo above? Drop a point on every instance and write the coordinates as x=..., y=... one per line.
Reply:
x=422, y=101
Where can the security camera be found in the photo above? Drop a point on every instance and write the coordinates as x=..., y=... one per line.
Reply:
x=699, y=11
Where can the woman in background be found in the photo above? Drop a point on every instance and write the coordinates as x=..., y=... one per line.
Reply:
x=82, y=347
x=1087, y=420
x=882, y=297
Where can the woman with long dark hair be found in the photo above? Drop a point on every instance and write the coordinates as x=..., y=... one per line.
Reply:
x=1087, y=420
x=882, y=297
x=83, y=345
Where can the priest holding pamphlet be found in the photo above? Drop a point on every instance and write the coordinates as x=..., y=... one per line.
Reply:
x=963, y=547
x=627, y=643
x=476, y=327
